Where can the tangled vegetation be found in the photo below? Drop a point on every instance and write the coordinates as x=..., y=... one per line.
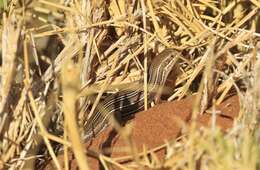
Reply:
x=57, y=55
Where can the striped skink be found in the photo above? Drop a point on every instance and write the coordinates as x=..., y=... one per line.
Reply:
x=123, y=104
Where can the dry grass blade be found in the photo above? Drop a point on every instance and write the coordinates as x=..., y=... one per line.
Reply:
x=70, y=89
x=10, y=43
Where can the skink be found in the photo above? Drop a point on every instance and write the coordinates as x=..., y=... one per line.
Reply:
x=125, y=103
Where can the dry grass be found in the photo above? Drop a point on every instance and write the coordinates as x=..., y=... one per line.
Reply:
x=57, y=55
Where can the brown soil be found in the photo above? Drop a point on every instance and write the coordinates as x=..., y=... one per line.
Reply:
x=163, y=122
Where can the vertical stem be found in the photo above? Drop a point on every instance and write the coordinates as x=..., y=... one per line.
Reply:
x=145, y=56
x=70, y=88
